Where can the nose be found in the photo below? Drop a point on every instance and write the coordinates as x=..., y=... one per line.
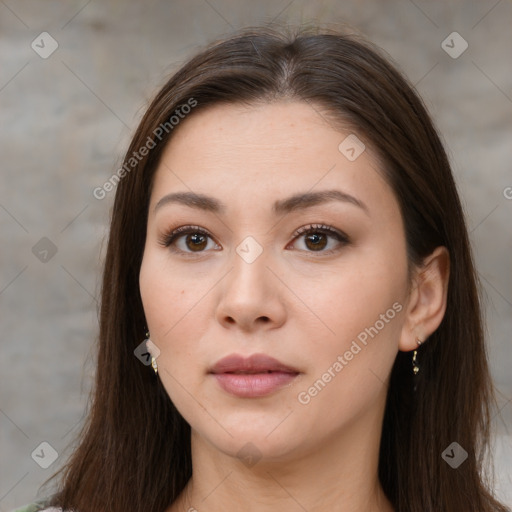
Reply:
x=251, y=295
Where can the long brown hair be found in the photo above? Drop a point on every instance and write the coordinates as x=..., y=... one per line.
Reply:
x=134, y=450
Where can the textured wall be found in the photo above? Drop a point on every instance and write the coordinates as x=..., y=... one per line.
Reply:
x=66, y=119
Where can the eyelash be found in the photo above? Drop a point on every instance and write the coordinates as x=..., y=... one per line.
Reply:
x=168, y=239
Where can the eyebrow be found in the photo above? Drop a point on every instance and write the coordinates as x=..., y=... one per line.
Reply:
x=293, y=203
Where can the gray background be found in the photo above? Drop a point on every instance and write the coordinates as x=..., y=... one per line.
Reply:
x=67, y=119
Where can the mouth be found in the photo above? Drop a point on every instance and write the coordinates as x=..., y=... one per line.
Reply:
x=255, y=376
x=256, y=363
x=241, y=372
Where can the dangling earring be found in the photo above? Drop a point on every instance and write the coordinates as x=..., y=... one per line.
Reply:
x=154, y=365
x=415, y=367
x=153, y=359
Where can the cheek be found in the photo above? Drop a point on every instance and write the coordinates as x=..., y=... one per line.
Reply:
x=175, y=316
x=166, y=293
x=353, y=337
x=344, y=301
x=349, y=369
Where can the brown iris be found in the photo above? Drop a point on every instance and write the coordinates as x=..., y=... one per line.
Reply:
x=199, y=241
x=314, y=239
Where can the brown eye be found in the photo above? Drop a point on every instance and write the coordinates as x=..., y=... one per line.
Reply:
x=316, y=238
x=196, y=241
x=187, y=240
x=316, y=241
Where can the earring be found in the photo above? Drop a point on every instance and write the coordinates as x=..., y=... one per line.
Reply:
x=415, y=367
x=153, y=359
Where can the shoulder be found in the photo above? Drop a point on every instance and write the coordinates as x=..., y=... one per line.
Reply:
x=37, y=506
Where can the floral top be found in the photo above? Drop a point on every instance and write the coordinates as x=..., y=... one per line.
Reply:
x=37, y=506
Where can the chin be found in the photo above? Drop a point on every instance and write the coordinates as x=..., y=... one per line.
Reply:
x=266, y=438
x=252, y=448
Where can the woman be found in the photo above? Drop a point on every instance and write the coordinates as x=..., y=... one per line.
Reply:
x=287, y=229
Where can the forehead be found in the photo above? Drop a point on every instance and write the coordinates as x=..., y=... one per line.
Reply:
x=285, y=125
x=264, y=152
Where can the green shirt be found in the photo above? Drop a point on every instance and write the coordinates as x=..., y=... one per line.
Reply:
x=37, y=506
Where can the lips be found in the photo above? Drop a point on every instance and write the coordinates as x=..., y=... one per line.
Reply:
x=257, y=363
x=252, y=377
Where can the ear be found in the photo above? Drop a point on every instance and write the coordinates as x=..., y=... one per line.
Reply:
x=427, y=299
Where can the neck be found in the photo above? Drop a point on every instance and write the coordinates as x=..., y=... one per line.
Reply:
x=341, y=475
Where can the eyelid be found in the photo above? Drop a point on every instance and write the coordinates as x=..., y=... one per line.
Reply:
x=322, y=228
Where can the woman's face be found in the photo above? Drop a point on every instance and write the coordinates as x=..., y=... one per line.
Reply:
x=328, y=305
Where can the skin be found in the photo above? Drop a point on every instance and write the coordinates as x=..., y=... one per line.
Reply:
x=299, y=305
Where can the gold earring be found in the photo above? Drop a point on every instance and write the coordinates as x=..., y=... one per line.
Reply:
x=415, y=367
x=153, y=359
